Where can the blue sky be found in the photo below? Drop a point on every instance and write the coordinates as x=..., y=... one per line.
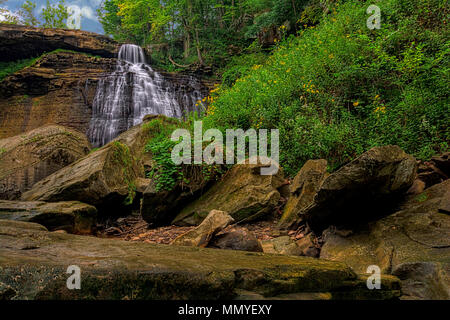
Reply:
x=88, y=9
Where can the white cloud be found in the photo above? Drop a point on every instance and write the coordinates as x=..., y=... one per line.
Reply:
x=7, y=13
x=85, y=11
x=76, y=14
x=88, y=12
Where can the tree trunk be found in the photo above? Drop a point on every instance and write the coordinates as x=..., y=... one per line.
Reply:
x=197, y=44
x=186, y=40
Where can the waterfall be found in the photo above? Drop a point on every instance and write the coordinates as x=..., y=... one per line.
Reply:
x=134, y=90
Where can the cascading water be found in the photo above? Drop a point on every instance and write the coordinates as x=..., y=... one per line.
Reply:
x=134, y=90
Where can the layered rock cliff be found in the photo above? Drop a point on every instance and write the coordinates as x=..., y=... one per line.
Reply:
x=20, y=42
x=57, y=89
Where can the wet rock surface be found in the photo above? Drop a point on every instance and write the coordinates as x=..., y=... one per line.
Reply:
x=282, y=245
x=114, y=269
x=103, y=178
x=160, y=207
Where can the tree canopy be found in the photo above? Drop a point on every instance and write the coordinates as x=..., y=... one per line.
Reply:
x=53, y=14
x=206, y=32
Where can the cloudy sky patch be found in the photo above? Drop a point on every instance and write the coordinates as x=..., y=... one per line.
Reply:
x=87, y=9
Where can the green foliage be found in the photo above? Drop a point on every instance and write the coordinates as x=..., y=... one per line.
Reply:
x=110, y=20
x=27, y=15
x=54, y=15
x=338, y=89
x=182, y=33
x=7, y=68
x=240, y=66
x=70, y=51
x=8, y=17
x=165, y=172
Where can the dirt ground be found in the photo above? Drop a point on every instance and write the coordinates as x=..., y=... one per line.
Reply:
x=133, y=228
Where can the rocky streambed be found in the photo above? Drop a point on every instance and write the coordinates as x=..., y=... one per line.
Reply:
x=235, y=247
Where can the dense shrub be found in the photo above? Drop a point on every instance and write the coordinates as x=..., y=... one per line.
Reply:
x=340, y=88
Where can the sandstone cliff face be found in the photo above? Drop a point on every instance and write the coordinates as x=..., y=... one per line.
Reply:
x=104, y=178
x=20, y=42
x=58, y=89
x=27, y=158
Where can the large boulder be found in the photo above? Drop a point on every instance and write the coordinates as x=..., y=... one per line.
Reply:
x=242, y=192
x=363, y=189
x=236, y=238
x=105, y=178
x=28, y=158
x=303, y=190
x=200, y=236
x=71, y=216
x=413, y=243
x=20, y=42
x=58, y=88
x=34, y=265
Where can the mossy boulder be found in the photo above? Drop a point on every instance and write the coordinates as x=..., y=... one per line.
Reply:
x=33, y=263
x=413, y=243
x=104, y=178
x=303, y=190
x=242, y=192
x=71, y=216
x=30, y=157
x=361, y=190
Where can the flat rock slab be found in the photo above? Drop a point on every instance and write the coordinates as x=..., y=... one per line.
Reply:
x=33, y=263
x=71, y=216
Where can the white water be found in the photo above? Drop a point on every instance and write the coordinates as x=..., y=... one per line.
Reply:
x=134, y=90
